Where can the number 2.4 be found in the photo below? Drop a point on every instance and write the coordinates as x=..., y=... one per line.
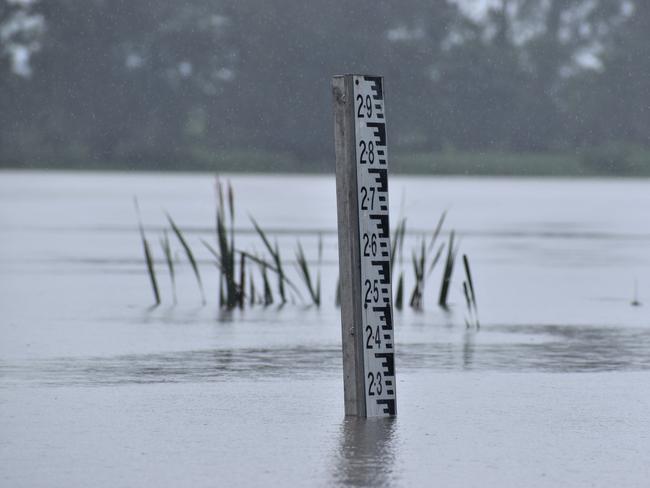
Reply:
x=373, y=339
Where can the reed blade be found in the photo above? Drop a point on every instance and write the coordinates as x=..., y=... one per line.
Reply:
x=398, y=242
x=468, y=273
x=436, y=258
x=449, y=269
x=277, y=260
x=399, y=297
x=188, y=253
x=268, y=292
x=214, y=253
x=251, y=292
x=231, y=253
x=242, y=280
x=305, y=274
x=414, y=293
x=281, y=276
x=164, y=242
x=147, y=255
x=262, y=235
x=468, y=300
x=437, y=230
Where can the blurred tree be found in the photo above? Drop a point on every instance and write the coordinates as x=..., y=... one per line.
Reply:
x=619, y=97
x=161, y=83
x=118, y=79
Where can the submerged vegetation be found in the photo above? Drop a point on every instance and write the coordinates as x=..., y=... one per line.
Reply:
x=247, y=277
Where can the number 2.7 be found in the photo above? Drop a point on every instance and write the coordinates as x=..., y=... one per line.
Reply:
x=367, y=195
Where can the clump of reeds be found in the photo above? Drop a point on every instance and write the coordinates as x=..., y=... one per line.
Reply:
x=231, y=293
x=237, y=276
x=420, y=271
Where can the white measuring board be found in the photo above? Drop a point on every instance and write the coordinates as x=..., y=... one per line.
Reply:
x=364, y=246
x=374, y=246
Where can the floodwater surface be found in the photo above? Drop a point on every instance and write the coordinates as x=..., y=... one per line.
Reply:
x=98, y=388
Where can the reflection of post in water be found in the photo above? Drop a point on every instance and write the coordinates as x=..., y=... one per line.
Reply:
x=366, y=452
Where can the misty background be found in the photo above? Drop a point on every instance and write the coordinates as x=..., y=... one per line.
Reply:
x=556, y=87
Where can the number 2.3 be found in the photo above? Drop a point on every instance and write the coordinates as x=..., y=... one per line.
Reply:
x=375, y=386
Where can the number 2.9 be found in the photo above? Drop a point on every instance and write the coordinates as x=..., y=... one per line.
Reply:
x=364, y=107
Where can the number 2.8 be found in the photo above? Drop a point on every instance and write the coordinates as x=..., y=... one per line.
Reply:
x=367, y=152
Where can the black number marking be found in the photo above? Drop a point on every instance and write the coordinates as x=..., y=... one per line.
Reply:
x=359, y=110
x=364, y=194
x=368, y=106
x=376, y=337
x=371, y=377
x=369, y=331
x=369, y=149
x=372, y=291
x=370, y=241
x=373, y=388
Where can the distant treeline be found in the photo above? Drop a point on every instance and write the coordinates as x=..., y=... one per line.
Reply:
x=244, y=84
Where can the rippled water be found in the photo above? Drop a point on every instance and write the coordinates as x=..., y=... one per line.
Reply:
x=99, y=389
x=510, y=348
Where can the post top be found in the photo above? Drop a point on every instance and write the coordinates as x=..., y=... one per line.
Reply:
x=365, y=75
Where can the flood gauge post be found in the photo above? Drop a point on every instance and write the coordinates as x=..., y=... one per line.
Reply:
x=364, y=246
